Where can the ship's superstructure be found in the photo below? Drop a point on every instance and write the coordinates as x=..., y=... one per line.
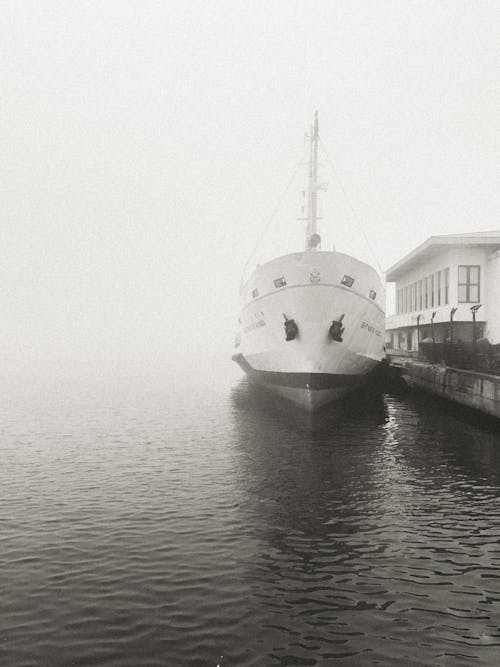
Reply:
x=311, y=325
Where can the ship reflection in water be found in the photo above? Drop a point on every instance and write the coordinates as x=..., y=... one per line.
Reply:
x=200, y=526
x=379, y=525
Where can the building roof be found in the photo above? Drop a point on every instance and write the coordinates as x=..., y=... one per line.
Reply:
x=434, y=244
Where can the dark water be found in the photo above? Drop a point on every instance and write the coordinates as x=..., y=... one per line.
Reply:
x=162, y=527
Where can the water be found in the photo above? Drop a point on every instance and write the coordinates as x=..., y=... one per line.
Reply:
x=181, y=526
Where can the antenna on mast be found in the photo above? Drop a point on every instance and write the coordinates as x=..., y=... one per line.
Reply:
x=313, y=239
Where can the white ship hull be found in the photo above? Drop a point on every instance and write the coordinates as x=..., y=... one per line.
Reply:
x=312, y=288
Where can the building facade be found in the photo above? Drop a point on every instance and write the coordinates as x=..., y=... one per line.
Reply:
x=439, y=285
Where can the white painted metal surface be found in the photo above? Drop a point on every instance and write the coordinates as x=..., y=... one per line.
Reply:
x=314, y=295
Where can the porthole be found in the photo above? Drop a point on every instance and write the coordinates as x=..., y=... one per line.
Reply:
x=347, y=281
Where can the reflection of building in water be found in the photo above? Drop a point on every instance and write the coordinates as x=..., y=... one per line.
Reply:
x=442, y=280
x=439, y=445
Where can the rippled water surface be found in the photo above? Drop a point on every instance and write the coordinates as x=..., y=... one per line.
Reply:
x=210, y=526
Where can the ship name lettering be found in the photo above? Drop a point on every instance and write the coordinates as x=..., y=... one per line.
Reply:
x=373, y=330
x=254, y=325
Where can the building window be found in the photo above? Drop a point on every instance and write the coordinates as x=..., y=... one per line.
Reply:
x=419, y=295
x=280, y=282
x=432, y=291
x=426, y=292
x=255, y=293
x=347, y=281
x=373, y=294
x=438, y=288
x=415, y=307
x=468, y=284
x=446, y=286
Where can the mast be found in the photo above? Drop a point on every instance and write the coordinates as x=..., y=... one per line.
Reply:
x=312, y=239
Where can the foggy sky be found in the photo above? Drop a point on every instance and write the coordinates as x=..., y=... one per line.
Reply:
x=145, y=144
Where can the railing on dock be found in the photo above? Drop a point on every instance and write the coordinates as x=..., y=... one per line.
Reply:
x=479, y=356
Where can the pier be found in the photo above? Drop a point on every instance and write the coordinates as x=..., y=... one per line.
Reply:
x=473, y=388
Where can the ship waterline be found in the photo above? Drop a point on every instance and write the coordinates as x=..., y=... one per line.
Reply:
x=306, y=390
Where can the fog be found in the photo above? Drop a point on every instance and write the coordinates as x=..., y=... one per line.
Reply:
x=145, y=146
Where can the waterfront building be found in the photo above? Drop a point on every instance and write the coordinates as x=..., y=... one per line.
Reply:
x=441, y=287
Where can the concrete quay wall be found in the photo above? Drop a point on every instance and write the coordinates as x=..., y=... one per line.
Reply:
x=476, y=390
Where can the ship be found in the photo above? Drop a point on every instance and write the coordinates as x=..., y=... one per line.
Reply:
x=311, y=325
